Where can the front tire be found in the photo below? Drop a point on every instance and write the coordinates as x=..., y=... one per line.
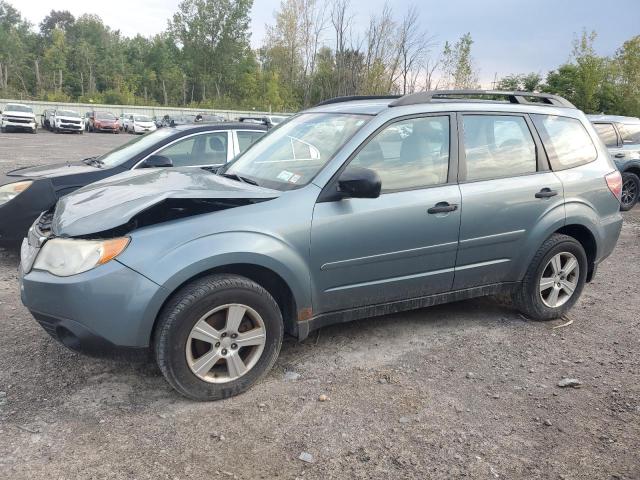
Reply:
x=217, y=336
x=554, y=281
x=630, y=191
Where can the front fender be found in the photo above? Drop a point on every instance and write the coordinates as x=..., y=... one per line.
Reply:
x=170, y=268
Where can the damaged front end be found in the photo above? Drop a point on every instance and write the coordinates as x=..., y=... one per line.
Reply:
x=138, y=199
x=92, y=225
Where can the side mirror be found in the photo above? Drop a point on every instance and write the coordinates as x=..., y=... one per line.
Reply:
x=157, y=161
x=359, y=182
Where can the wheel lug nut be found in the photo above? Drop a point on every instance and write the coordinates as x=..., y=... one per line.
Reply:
x=234, y=335
x=234, y=346
x=217, y=344
x=224, y=351
x=224, y=334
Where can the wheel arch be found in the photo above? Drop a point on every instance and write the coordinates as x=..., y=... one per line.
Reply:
x=587, y=239
x=268, y=279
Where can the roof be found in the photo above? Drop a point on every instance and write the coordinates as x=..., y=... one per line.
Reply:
x=203, y=127
x=433, y=100
x=364, y=107
x=613, y=118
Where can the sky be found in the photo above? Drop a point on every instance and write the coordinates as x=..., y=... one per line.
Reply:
x=510, y=36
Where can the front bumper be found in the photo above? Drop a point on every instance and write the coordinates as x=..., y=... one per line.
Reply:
x=107, y=128
x=23, y=125
x=70, y=127
x=106, y=310
x=139, y=129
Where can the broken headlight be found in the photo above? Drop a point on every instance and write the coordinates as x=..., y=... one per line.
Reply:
x=64, y=257
x=12, y=190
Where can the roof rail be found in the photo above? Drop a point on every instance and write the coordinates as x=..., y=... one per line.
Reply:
x=349, y=98
x=518, y=97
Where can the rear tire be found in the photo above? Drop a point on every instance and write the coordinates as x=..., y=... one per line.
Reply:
x=211, y=299
x=630, y=191
x=551, y=286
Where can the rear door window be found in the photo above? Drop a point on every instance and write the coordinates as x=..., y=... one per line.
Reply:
x=247, y=138
x=630, y=133
x=497, y=146
x=565, y=140
x=607, y=134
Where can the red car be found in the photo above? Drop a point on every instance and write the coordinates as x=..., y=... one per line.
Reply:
x=103, y=122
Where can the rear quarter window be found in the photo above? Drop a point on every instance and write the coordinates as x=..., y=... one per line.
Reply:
x=565, y=140
x=630, y=133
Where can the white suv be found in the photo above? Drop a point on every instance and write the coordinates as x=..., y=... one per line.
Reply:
x=18, y=117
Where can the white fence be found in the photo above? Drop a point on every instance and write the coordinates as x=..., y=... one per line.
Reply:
x=118, y=110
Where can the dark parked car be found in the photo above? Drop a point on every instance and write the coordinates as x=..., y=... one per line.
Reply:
x=103, y=122
x=26, y=192
x=621, y=135
x=45, y=119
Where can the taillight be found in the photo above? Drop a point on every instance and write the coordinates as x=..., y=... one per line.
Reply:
x=614, y=182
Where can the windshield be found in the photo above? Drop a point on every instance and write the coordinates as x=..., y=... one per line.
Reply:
x=67, y=113
x=12, y=107
x=291, y=155
x=134, y=147
x=141, y=118
x=105, y=116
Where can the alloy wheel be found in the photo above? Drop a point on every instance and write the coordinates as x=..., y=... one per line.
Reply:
x=629, y=192
x=559, y=279
x=225, y=343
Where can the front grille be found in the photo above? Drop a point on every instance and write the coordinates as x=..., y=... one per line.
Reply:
x=70, y=122
x=43, y=226
x=19, y=120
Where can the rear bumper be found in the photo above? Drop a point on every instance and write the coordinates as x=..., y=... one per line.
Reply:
x=99, y=312
x=609, y=228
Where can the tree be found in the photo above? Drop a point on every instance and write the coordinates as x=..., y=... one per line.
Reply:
x=627, y=61
x=56, y=20
x=213, y=35
x=457, y=64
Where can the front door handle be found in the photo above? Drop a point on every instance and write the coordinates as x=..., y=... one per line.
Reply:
x=546, y=193
x=619, y=155
x=442, y=207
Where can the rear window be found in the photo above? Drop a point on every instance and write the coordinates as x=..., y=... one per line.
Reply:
x=565, y=140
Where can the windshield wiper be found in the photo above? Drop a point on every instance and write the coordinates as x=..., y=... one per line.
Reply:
x=94, y=161
x=234, y=176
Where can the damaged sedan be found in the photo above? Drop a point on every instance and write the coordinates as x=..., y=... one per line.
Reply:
x=356, y=208
x=27, y=192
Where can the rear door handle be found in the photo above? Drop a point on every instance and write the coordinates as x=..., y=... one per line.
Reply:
x=619, y=155
x=442, y=207
x=546, y=193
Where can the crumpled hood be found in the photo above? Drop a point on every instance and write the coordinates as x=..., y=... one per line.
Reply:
x=112, y=202
x=54, y=170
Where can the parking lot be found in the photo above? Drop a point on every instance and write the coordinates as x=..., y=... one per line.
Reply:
x=462, y=390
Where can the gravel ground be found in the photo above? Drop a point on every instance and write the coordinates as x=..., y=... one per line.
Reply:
x=461, y=390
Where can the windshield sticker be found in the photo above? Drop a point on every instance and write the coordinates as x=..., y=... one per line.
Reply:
x=294, y=178
x=284, y=175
